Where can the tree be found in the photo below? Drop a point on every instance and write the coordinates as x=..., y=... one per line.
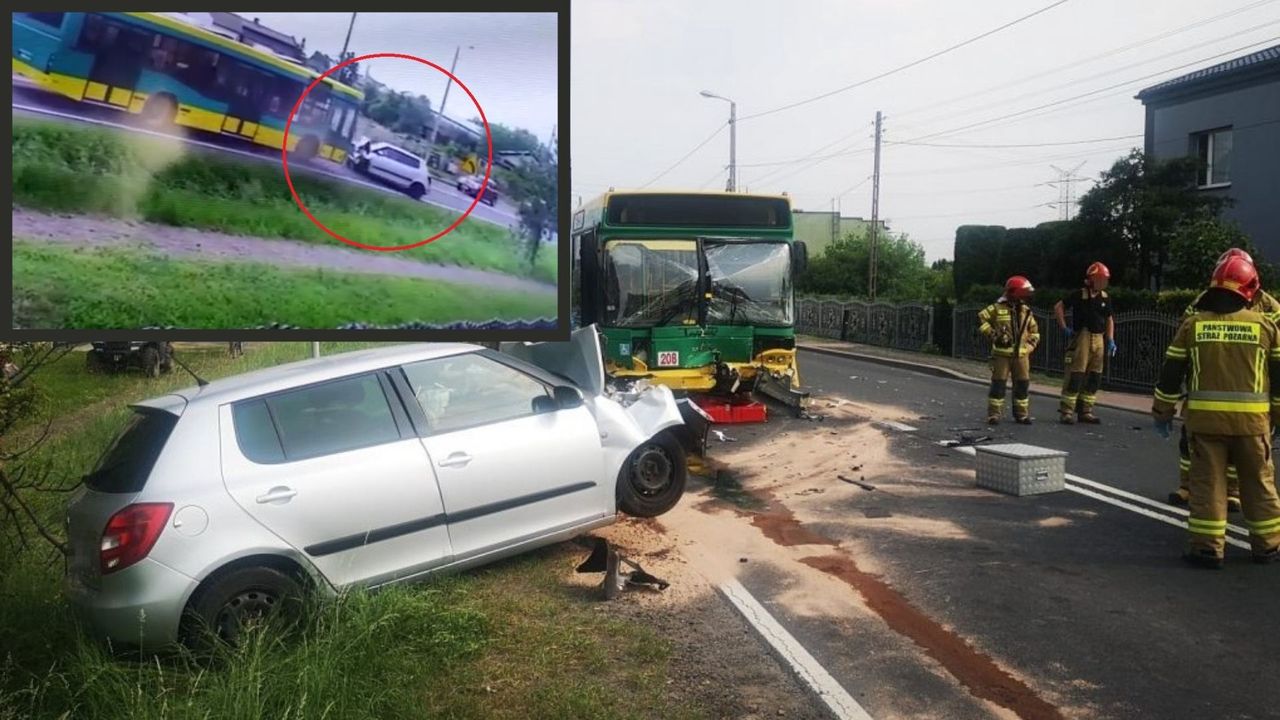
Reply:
x=1139, y=203
x=21, y=519
x=1196, y=246
x=506, y=138
x=844, y=266
x=536, y=188
x=941, y=280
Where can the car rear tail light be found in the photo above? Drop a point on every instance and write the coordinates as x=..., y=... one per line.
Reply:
x=131, y=533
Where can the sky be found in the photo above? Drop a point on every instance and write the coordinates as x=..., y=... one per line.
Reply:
x=637, y=70
x=508, y=60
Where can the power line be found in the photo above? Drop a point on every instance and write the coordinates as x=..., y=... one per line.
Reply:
x=1014, y=163
x=686, y=156
x=1110, y=72
x=1019, y=113
x=1014, y=145
x=815, y=153
x=793, y=161
x=1085, y=61
x=900, y=68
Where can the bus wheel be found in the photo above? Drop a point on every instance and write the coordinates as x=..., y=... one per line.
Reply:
x=159, y=111
x=307, y=148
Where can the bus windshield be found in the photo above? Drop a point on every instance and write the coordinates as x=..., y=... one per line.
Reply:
x=750, y=283
x=649, y=283
x=658, y=282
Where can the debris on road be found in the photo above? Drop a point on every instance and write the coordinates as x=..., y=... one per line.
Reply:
x=967, y=440
x=722, y=437
x=860, y=482
x=606, y=559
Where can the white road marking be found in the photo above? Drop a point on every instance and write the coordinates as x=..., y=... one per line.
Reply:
x=241, y=153
x=828, y=689
x=1145, y=501
x=1148, y=513
x=898, y=426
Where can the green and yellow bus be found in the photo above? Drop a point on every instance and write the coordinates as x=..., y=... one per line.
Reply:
x=169, y=71
x=695, y=290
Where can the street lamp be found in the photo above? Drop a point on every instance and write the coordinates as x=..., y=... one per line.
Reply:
x=435, y=125
x=733, y=137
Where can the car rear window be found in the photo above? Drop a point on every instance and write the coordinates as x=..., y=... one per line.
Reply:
x=127, y=463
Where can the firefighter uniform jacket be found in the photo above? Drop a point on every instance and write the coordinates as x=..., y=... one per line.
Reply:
x=1010, y=336
x=1263, y=303
x=1227, y=362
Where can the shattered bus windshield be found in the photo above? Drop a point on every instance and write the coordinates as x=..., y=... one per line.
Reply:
x=651, y=283
x=750, y=283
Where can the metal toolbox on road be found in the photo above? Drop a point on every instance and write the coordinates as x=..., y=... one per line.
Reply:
x=1019, y=469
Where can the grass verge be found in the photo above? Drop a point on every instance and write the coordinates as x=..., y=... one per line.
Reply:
x=55, y=287
x=512, y=640
x=67, y=168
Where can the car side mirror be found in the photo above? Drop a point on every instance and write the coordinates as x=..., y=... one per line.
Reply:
x=801, y=253
x=567, y=397
x=543, y=405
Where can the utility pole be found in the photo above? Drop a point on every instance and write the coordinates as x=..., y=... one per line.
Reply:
x=732, y=184
x=315, y=349
x=347, y=42
x=875, y=212
x=835, y=221
x=435, y=125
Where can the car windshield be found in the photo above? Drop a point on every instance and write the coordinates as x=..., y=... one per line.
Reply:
x=651, y=282
x=127, y=463
x=750, y=283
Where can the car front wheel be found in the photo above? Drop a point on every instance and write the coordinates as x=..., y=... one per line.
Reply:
x=653, y=477
x=232, y=603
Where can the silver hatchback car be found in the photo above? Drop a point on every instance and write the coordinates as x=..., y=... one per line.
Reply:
x=218, y=502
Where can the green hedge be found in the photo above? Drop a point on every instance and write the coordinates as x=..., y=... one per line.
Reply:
x=1126, y=300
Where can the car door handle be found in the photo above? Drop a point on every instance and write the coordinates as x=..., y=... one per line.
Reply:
x=277, y=494
x=458, y=459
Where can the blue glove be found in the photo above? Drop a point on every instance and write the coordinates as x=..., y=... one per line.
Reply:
x=1163, y=427
x=1069, y=332
x=1111, y=347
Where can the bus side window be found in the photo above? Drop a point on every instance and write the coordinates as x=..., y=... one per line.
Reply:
x=350, y=124
x=53, y=20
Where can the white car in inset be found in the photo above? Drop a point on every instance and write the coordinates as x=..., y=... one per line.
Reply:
x=392, y=165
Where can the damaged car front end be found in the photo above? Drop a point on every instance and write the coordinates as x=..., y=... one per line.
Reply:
x=647, y=434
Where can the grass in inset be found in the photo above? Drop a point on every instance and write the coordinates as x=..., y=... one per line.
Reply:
x=112, y=288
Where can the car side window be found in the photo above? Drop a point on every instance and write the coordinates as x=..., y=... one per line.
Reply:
x=324, y=419
x=470, y=390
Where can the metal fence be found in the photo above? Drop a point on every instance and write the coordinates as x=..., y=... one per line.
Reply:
x=905, y=327
x=1142, y=338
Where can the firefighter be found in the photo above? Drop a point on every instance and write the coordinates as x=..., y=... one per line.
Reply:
x=1264, y=303
x=1225, y=356
x=1092, y=331
x=1014, y=335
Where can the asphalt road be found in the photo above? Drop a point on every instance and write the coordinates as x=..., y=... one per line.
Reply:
x=34, y=102
x=1085, y=601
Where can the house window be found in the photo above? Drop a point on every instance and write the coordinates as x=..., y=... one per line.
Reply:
x=1213, y=149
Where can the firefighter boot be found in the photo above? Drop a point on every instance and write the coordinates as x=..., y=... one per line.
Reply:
x=1202, y=558
x=1071, y=386
x=1088, y=397
x=1022, y=401
x=995, y=401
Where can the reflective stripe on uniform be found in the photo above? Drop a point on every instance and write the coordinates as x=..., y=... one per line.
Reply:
x=1240, y=402
x=1166, y=397
x=1217, y=528
x=1264, y=527
x=1232, y=473
x=1184, y=464
x=1175, y=352
x=1259, y=371
x=1088, y=399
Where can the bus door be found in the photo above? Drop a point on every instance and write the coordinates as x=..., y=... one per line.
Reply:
x=119, y=53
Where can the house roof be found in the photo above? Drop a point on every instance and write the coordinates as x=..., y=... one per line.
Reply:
x=1246, y=63
x=237, y=24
